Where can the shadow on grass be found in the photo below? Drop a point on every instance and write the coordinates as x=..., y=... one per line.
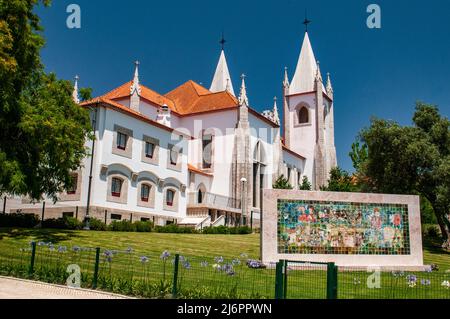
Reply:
x=434, y=246
x=46, y=235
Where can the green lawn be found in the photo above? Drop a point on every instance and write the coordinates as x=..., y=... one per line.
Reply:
x=125, y=273
x=229, y=246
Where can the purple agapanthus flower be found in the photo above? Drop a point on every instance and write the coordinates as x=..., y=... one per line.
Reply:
x=76, y=249
x=236, y=262
x=204, y=264
x=186, y=265
x=108, y=255
x=144, y=259
x=218, y=259
x=129, y=250
x=425, y=282
x=165, y=255
x=62, y=249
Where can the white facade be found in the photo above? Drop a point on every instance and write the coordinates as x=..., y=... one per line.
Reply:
x=226, y=152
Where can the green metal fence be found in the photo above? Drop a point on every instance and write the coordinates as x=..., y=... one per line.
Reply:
x=169, y=275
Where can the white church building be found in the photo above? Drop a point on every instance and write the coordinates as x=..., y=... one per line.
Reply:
x=197, y=156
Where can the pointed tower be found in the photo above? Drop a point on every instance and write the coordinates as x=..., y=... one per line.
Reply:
x=222, y=79
x=243, y=92
x=276, y=117
x=329, y=87
x=75, y=94
x=135, y=89
x=242, y=164
x=286, y=111
x=307, y=108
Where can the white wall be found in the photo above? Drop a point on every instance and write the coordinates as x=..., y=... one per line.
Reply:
x=107, y=119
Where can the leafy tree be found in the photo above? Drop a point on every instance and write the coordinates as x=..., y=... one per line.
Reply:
x=43, y=132
x=358, y=154
x=85, y=94
x=411, y=159
x=305, y=185
x=340, y=181
x=282, y=183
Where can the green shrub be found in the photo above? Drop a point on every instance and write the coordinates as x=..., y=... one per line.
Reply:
x=73, y=223
x=174, y=229
x=19, y=220
x=97, y=224
x=227, y=230
x=431, y=231
x=123, y=226
x=143, y=227
x=63, y=223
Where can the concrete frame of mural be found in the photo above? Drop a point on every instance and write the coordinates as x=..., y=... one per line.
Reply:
x=269, y=232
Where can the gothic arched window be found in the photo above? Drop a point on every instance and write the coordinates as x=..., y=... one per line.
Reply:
x=303, y=115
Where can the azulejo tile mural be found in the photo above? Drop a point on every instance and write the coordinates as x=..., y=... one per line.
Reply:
x=318, y=227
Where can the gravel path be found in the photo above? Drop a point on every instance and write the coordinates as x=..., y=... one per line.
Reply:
x=12, y=288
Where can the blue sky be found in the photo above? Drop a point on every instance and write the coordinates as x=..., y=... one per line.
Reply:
x=374, y=72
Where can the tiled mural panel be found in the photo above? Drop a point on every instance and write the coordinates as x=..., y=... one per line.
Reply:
x=317, y=227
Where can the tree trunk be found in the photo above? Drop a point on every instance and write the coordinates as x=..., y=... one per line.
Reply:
x=444, y=230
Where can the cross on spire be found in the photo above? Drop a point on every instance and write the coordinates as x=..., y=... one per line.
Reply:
x=223, y=41
x=306, y=22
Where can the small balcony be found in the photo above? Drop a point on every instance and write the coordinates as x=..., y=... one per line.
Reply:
x=213, y=201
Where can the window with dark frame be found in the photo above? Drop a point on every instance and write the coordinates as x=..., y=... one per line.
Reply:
x=116, y=217
x=207, y=151
x=173, y=156
x=121, y=141
x=116, y=187
x=170, y=196
x=73, y=189
x=145, y=192
x=303, y=115
x=149, y=149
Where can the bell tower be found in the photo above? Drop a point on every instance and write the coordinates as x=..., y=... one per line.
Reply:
x=308, y=116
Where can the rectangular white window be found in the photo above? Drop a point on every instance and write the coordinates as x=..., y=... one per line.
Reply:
x=149, y=149
x=207, y=151
x=116, y=187
x=73, y=189
x=121, y=141
x=145, y=192
x=170, y=197
x=173, y=156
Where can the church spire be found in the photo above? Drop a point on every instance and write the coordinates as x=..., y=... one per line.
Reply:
x=135, y=90
x=135, y=86
x=329, y=86
x=243, y=94
x=75, y=94
x=222, y=79
x=305, y=73
x=318, y=73
x=276, y=116
x=286, y=78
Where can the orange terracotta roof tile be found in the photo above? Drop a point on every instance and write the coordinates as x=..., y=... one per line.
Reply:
x=122, y=108
x=146, y=93
x=196, y=170
x=191, y=98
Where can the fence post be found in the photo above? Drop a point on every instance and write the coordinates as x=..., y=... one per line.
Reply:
x=285, y=279
x=175, y=276
x=279, y=280
x=33, y=256
x=96, y=267
x=332, y=272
